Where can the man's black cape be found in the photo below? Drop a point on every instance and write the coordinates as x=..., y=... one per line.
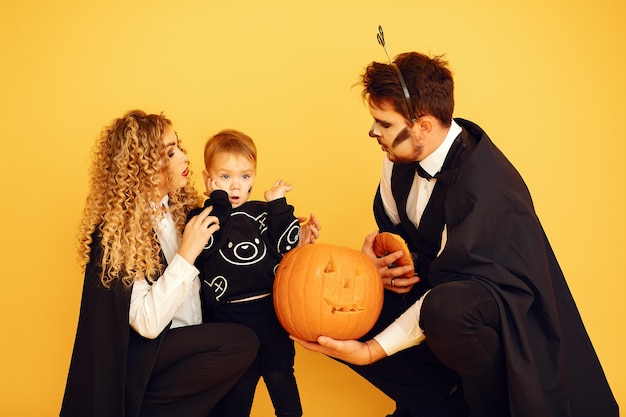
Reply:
x=495, y=238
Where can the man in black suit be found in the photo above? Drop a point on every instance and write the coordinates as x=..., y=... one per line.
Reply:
x=487, y=325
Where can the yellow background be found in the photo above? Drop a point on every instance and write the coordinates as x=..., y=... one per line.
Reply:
x=545, y=79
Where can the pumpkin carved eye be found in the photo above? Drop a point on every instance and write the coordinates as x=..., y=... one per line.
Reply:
x=330, y=267
x=329, y=290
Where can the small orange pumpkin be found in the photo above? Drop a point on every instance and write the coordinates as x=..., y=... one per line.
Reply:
x=323, y=289
x=386, y=243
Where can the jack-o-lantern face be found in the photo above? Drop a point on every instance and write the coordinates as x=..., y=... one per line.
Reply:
x=322, y=289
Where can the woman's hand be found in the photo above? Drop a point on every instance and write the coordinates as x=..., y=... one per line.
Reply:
x=309, y=230
x=352, y=351
x=388, y=274
x=197, y=233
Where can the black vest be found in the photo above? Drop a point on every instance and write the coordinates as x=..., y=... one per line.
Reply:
x=425, y=240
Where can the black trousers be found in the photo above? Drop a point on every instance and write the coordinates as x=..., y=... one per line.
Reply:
x=419, y=383
x=461, y=321
x=196, y=367
x=274, y=361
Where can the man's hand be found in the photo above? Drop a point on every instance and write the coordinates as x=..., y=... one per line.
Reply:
x=388, y=274
x=352, y=351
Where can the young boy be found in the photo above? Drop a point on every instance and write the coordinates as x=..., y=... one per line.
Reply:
x=238, y=264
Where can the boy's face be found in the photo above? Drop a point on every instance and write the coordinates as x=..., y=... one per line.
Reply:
x=231, y=173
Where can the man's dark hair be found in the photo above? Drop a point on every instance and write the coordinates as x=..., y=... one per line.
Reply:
x=429, y=81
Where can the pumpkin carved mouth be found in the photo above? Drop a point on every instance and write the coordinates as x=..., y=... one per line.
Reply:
x=346, y=309
x=348, y=300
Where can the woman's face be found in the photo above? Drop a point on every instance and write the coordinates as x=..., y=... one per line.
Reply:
x=176, y=175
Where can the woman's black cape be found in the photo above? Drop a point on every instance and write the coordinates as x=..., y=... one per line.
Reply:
x=111, y=364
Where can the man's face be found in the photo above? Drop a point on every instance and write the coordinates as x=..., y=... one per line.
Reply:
x=401, y=142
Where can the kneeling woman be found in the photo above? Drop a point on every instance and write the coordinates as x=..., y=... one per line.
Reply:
x=141, y=348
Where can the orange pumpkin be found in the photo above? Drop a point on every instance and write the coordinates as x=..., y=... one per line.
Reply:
x=323, y=289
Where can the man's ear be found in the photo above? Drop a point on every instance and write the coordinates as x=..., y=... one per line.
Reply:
x=205, y=176
x=423, y=125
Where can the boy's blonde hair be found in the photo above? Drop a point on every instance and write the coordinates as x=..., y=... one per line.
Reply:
x=230, y=141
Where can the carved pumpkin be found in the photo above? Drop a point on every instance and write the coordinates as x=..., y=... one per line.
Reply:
x=323, y=289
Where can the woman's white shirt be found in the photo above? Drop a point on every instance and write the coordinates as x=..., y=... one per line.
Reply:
x=175, y=296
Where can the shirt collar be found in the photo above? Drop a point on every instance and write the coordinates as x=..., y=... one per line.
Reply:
x=165, y=201
x=433, y=162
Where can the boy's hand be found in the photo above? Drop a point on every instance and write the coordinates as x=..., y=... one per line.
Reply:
x=211, y=185
x=278, y=190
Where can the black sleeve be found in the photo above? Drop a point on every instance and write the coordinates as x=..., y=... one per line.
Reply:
x=221, y=207
x=284, y=227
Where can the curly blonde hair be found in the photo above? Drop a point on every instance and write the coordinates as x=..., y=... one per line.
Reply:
x=127, y=161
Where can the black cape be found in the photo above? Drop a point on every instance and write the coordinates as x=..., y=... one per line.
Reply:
x=495, y=238
x=111, y=363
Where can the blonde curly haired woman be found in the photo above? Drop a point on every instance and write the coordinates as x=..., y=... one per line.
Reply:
x=141, y=348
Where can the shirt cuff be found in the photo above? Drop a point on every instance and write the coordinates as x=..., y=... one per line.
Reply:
x=404, y=332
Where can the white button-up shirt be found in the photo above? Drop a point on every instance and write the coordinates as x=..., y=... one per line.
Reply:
x=405, y=332
x=175, y=296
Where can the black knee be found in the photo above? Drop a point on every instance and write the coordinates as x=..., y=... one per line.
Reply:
x=461, y=321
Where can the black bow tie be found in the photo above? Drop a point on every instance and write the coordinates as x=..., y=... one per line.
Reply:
x=422, y=172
